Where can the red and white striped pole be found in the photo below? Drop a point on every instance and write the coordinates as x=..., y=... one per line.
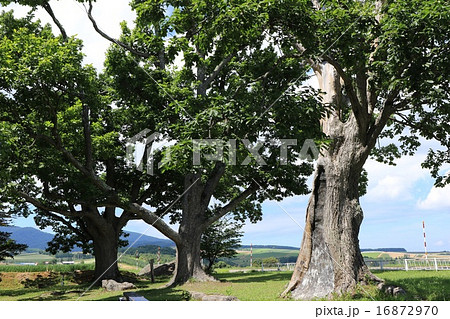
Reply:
x=424, y=240
x=251, y=255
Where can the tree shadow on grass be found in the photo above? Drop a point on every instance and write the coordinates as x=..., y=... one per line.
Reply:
x=41, y=282
x=40, y=294
x=425, y=288
x=16, y=292
x=255, y=277
x=49, y=296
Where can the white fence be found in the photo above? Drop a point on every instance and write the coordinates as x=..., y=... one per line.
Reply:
x=277, y=266
x=427, y=264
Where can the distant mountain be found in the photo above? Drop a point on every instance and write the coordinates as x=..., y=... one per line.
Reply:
x=147, y=240
x=35, y=238
x=32, y=237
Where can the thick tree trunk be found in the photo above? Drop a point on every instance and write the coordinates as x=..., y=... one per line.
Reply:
x=106, y=260
x=105, y=253
x=192, y=225
x=330, y=260
x=188, y=266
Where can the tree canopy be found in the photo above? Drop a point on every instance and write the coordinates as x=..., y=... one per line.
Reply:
x=68, y=128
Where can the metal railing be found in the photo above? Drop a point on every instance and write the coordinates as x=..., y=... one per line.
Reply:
x=427, y=264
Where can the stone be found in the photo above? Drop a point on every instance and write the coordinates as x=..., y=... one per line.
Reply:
x=398, y=291
x=219, y=298
x=196, y=295
x=112, y=285
x=204, y=297
x=162, y=270
x=389, y=290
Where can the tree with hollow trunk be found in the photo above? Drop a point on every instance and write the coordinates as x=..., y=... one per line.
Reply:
x=380, y=66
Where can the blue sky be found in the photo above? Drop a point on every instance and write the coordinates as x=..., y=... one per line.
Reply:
x=398, y=198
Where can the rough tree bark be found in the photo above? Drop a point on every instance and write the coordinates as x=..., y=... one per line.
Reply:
x=104, y=232
x=330, y=260
x=192, y=225
x=105, y=252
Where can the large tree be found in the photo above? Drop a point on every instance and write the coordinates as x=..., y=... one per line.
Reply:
x=229, y=76
x=383, y=69
x=58, y=141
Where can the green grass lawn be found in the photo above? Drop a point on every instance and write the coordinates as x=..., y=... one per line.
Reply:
x=420, y=285
x=245, y=286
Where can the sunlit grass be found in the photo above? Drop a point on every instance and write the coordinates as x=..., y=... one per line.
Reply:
x=255, y=285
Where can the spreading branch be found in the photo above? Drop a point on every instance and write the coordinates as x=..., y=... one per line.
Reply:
x=360, y=113
x=38, y=204
x=107, y=37
x=212, y=182
x=231, y=205
x=380, y=122
x=99, y=183
x=48, y=8
x=207, y=82
x=154, y=220
x=65, y=222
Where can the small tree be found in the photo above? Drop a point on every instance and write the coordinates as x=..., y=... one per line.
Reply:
x=271, y=260
x=8, y=247
x=221, y=240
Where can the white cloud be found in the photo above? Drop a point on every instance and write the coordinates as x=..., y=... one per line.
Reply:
x=72, y=15
x=394, y=182
x=437, y=198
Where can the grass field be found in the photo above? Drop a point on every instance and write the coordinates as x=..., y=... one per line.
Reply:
x=42, y=268
x=373, y=255
x=30, y=258
x=268, y=252
x=419, y=285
